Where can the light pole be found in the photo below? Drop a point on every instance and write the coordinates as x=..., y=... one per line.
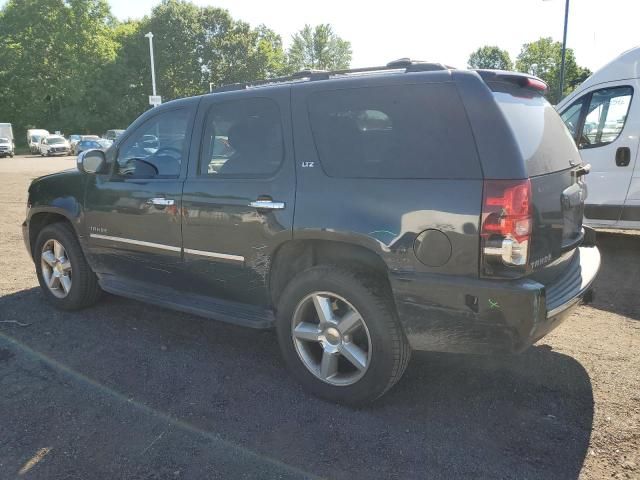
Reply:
x=564, y=49
x=153, y=68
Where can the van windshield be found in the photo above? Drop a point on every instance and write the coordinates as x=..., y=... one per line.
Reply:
x=545, y=142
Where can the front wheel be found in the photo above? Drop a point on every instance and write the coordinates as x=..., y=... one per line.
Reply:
x=339, y=334
x=66, y=279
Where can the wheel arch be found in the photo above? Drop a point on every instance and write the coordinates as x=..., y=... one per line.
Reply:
x=295, y=256
x=44, y=217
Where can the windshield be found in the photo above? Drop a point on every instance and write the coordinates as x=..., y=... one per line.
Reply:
x=55, y=140
x=4, y=140
x=36, y=138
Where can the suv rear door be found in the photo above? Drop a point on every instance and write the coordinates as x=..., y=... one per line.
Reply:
x=239, y=197
x=598, y=120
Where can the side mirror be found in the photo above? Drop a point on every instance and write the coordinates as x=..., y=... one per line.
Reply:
x=92, y=161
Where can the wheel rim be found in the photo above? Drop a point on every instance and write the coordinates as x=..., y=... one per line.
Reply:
x=331, y=338
x=56, y=268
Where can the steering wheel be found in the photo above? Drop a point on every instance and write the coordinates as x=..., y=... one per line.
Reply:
x=168, y=149
x=130, y=166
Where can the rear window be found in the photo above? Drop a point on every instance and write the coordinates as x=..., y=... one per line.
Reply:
x=407, y=131
x=546, y=144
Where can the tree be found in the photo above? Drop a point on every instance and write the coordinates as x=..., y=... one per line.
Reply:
x=194, y=47
x=542, y=58
x=51, y=51
x=490, y=57
x=69, y=65
x=318, y=48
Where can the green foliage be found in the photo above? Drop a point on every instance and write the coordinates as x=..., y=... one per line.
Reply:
x=543, y=58
x=490, y=57
x=69, y=65
x=318, y=48
x=51, y=51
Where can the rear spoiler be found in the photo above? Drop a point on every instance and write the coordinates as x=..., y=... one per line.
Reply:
x=521, y=80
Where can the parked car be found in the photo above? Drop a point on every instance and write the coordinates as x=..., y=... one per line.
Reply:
x=85, y=145
x=74, y=139
x=34, y=135
x=83, y=138
x=6, y=147
x=412, y=207
x=112, y=134
x=6, y=131
x=604, y=121
x=54, y=145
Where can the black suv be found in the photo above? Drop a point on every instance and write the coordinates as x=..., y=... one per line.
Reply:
x=362, y=213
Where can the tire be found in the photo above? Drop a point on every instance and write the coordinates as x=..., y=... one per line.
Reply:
x=83, y=289
x=379, y=335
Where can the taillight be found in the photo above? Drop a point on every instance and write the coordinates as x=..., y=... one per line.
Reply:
x=506, y=223
x=536, y=84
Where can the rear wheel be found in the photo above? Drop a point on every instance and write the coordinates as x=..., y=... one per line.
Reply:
x=63, y=273
x=339, y=335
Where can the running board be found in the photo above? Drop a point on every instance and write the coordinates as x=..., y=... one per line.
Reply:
x=223, y=310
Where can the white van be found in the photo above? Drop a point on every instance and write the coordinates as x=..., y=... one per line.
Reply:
x=34, y=135
x=604, y=118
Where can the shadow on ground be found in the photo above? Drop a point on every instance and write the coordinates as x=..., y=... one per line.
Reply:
x=128, y=390
x=617, y=285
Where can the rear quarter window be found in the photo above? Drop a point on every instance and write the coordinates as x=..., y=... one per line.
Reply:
x=544, y=141
x=406, y=131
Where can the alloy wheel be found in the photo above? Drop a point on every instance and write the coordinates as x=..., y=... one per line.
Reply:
x=331, y=338
x=56, y=268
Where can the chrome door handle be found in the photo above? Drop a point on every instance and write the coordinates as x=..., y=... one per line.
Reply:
x=164, y=202
x=267, y=205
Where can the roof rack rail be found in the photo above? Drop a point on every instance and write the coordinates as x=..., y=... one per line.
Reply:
x=405, y=64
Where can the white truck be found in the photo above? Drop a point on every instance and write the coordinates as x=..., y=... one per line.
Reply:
x=34, y=135
x=7, y=143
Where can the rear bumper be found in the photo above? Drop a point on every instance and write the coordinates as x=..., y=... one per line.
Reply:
x=441, y=313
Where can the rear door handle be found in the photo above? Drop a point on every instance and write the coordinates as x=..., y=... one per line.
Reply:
x=267, y=205
x=623, y=156
x=161, y=202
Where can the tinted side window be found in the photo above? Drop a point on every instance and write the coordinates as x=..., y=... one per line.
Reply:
x=407, y=131
x=606, y=116
x=242, y=138
x=157, y=147
x=544, y=141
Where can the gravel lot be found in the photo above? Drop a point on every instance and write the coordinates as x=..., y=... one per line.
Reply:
x=127, y=390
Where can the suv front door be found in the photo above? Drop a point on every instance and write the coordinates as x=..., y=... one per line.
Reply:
x=133, y=214
x=238, y=199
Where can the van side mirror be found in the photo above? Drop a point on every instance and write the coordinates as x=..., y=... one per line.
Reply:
x=92, y=161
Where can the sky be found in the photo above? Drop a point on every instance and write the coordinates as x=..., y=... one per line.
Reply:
x=444, y=31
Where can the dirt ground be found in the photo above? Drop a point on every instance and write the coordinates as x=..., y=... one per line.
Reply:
x=127, y=390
